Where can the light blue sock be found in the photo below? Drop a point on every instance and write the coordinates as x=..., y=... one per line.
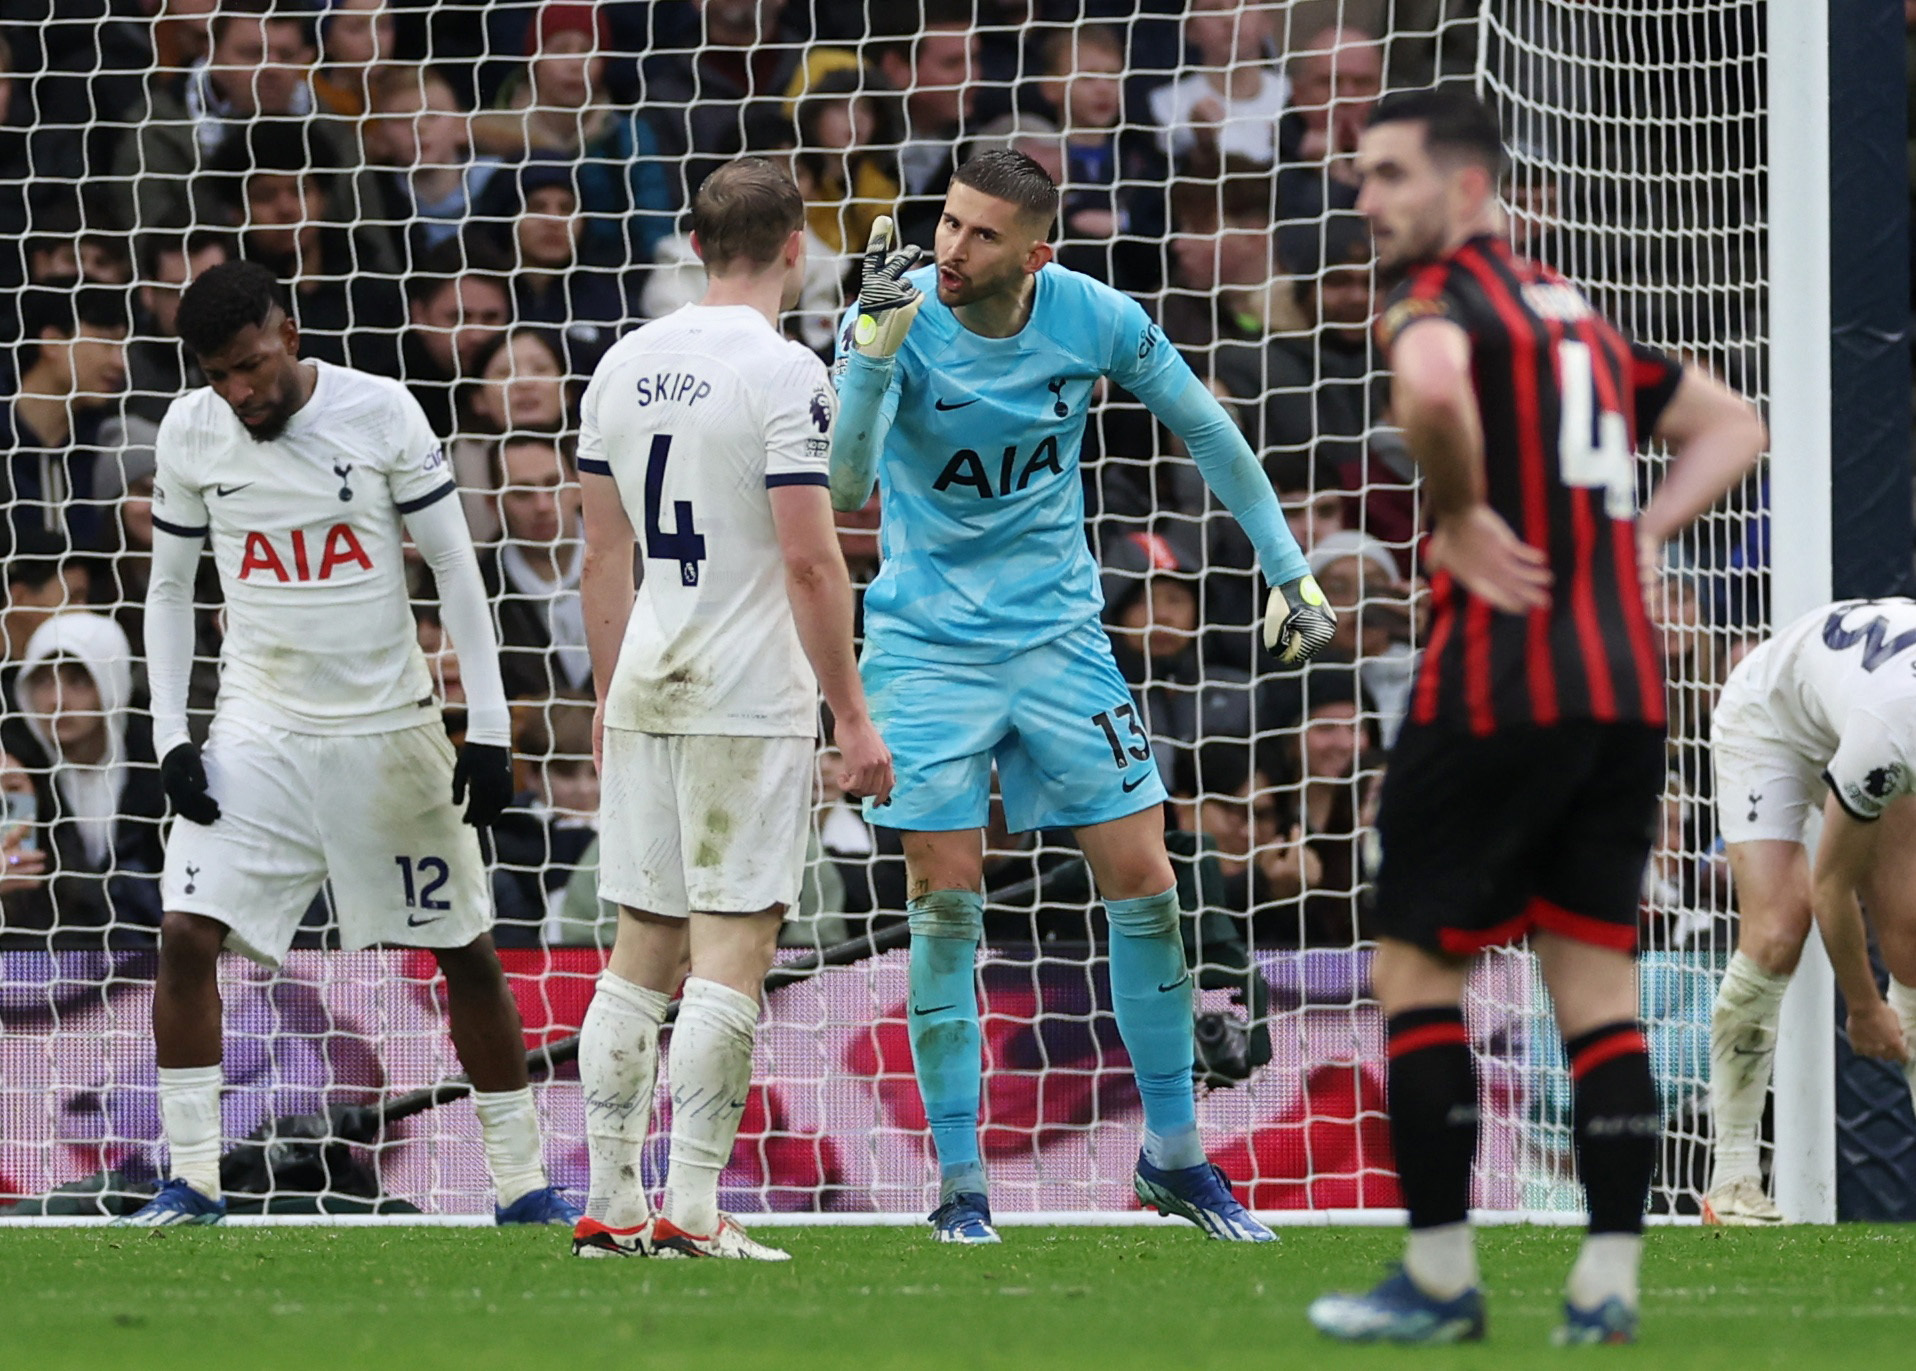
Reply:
x=1152, y=987
x=946, y=1047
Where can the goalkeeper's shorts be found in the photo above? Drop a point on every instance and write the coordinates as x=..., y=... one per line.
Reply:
x=1528, y=829
x=1058, y=720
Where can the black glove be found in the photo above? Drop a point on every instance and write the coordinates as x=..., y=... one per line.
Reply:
x=486, y=770
x=183, y=776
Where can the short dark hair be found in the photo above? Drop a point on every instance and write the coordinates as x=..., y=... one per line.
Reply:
x=745, y=211
x=179, y=242
x=469, y=255
x=33, y=557
x=225, y=300
x=1007, y=174
x=1456, y=123
x=273, y=147
x=66, y=306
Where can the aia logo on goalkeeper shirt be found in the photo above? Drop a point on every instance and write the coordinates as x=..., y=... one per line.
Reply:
x=303, y=559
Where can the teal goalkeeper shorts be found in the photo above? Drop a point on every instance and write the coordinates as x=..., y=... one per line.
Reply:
x=1058, y=720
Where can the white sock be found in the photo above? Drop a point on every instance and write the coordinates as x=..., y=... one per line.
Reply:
x=1742, y=1056
x=509, y=1122
x=190, y=1113
x=1606, y=1269
x=711, y=1072
x=1442, y=1260
x=1902, y=999
x=618, y=1069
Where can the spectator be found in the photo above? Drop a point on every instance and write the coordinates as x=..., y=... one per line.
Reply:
x=521, y=388
x=532, y=576
x=724, y=99
x=71, y=363
x=257, y=66
x=848, y=123
x=1313, y=514
x=422, y=177
x=930, y=52
x=41, y=581
x=1336, y=79
x=1222, y=263
x=1230, y=104
x=1251, y=826
x=1102, y=227
x=52, y=246
x=541, y=842
x=24, y=901
x=1331, y=726
x=98, y=789
x=557, y=107
x=1359, y=577
x=158, y=368
x=584, y=306
x=456, y=302
x=357, y=40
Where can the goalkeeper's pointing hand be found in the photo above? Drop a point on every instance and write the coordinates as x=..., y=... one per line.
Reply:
x=887, y=303
x=1298, y=621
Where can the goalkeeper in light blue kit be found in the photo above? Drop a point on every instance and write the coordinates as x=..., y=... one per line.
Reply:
x=983, y=642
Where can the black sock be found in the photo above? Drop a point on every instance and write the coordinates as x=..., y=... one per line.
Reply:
x=1433, y=1113
x=1619, y=1121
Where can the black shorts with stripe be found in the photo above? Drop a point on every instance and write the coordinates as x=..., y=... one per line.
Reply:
x=1489, y=837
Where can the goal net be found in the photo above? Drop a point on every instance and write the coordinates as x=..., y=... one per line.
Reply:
x=477, y=199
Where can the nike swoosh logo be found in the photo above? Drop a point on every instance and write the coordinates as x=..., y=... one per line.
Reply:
x=935, y=1009
x=231, y=490
x=412, y=922
x=1167, y=989
x=940, y=404
x=1135, y=782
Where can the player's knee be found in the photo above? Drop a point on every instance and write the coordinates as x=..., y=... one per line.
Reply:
x=1776, y=944
x=190, y=942
x=957, y=914
x=472, y=969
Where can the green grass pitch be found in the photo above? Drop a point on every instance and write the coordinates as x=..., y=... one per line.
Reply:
x=869, y=1299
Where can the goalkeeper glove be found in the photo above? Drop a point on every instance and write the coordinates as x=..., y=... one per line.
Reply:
x=183, y=777
x=887, y=303
x=1298, y=621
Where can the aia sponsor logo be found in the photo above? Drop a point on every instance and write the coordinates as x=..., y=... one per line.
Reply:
x=302, y=559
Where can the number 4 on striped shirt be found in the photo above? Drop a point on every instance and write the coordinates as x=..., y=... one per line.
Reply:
x=1593, y=448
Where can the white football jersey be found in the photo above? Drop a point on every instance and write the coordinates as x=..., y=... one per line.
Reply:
x=306, y=532
x=1839, y=686
x=696, y=416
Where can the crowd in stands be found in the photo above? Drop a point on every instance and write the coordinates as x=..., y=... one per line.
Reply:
x=478, y=199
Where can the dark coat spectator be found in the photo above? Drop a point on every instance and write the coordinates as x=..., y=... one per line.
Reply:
x=456, y=304
x=584, y=305
x=71, y=362
x=930, y=52
x=532, y=576
x=158, y=367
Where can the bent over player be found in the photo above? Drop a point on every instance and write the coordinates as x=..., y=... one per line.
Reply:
x=1827, y=705
x=328, y=756
x=710, y=432
x=1523, y=790
x=983, y=644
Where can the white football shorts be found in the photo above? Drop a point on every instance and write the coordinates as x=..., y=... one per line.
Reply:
x=373, y=812
x=1765, y=789
x=703, y=823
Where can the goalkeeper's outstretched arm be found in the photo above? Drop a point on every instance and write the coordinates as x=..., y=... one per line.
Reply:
x=1298, y=623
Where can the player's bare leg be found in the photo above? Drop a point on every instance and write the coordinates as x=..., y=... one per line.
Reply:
x=1889, y=894
x=1772, y=883
x=490, y=1041
x=1619, y=1118
x=1152, y=993
x=946, y=908
x=711, y=1080
x=619, y=1070
x=186, y=1038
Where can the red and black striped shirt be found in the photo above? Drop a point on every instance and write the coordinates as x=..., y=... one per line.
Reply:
x=1564, y=399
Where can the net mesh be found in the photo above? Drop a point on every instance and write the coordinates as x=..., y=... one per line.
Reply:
x=477, y=199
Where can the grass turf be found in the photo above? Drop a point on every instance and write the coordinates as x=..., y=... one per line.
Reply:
x=869, y=1299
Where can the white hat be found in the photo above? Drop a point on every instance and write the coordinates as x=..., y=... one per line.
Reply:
x=1333, y=547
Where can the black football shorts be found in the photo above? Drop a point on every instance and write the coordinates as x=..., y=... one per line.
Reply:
x=1488, y=837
